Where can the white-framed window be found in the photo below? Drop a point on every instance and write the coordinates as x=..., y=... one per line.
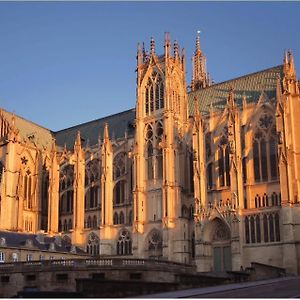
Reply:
x=15, y=257
x=2, y=257
x=42, y=257
x=29, y=257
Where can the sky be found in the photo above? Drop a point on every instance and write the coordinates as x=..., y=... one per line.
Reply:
x=66, y=63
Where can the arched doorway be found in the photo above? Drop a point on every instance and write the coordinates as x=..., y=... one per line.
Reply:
x=221, y=246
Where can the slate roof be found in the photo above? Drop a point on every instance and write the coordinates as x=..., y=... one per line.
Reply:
x=90, y=131
x=39, y=135
x=250, y=85
x=20, y=240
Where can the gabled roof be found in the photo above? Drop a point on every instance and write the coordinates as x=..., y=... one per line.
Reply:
x=251, y=86
x=117, y=124
x=32, y=133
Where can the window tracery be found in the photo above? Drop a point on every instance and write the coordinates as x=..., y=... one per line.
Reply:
x=155, y=245
x=265, y=149
x=124, y=243
x=153, y=150
x=92, y=247
x=154, y=94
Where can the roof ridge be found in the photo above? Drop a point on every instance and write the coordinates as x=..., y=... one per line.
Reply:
x=29, y=121
x=237, y=78
x=95, y=120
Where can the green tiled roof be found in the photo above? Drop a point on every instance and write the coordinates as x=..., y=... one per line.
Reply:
x=250, y=86
x=90, y=131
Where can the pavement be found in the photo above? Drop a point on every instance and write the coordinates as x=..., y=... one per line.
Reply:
x=285, y=287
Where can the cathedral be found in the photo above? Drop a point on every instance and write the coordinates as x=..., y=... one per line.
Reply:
x=203, y=174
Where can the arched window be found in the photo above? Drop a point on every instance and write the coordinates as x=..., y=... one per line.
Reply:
x=265, y=149
x=95, y=222
x=184, y=211
x=155, y=245
x=193, y=245
x=154, y=94
x=116, y=218
x=252, y=229
x=119, y=192
x=266, y=232
x=119, y=165
x=65, y=225
x=27, y=186
x=208, y=146
x=70, y=224
x=130, y=217
x=1, y=170
x=150, y=161
x=209, y=175
x=277, y=227
x=121, y=218
x=258, y=236
x=124, y=243
x=247, y=235
x=92, y=247
x=89, y=222
x=224, y=166
x=271, y=227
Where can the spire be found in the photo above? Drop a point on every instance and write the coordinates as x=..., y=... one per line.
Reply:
x=176, y=50
x=230, y=99
x=199, y=78
x=105, y=134
x=152, y=46
x=139, y=56
x=77, y=145
x=53, y=146
x=292, y=63
x=167, y=44
x=198, y=48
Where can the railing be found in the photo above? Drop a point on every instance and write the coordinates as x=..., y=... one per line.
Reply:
x=90, y=263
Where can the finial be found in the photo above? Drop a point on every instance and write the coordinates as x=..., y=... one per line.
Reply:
x=106, y=134
x=139, y=56
x=176, y=49
x=152, y=46
x=167, y=44
x=78, y=141
x=198, y=48
x=244, y=99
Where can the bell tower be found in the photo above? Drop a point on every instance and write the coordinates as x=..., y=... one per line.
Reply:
x=161, y=118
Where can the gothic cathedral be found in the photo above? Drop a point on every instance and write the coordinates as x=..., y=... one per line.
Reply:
x=205, y=174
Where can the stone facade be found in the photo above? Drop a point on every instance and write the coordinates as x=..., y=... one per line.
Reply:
x=205, y=175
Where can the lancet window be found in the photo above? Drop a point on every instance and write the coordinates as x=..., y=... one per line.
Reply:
x=93, y=247
x=154, y=94
x=265, y=149
x=153, y=150
x=119, y=172
x=262, y=228
x=66, y=190
x=124, y=243
x=92, y=184
x=155, y=245
x=27, y=190
x=1, y=170
x=223, y=162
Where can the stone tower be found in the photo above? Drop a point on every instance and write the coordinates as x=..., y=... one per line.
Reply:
x=161, y=123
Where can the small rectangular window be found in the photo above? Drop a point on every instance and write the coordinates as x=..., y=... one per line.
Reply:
x=29, y=257
x=2, y=257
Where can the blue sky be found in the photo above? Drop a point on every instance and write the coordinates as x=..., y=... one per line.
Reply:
x=65, y=63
